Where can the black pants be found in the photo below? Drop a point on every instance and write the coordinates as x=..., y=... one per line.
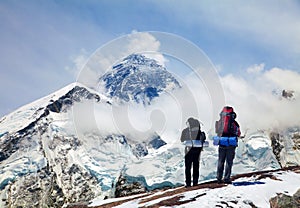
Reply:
x=225, y=154
x=192, y=157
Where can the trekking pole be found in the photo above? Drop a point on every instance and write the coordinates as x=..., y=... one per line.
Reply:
x=244, y=136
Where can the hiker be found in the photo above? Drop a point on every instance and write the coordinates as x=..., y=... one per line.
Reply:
x=194, y=139
x=228, y=131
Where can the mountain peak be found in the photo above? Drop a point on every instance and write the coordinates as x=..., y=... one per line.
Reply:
x=56, y=102
x=141, y=59
x=288, y=94
x=139, y=79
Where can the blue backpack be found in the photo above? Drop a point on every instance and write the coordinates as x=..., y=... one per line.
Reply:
x=225, y=141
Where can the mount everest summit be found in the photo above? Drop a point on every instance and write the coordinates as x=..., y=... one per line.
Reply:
x=57, y=150
x=138, y=79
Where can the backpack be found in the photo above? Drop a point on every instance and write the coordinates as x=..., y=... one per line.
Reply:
x=227, y=126
x=198, y=141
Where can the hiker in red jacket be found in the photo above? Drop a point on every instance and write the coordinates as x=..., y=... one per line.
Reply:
x=228, y=131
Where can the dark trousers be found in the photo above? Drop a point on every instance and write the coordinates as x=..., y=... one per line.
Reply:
x=225, y=154
x=192, y=157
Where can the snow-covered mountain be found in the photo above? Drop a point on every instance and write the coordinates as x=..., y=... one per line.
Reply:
x=138, y=78
x=47, y=159
x=39, y=148
x=60, y=149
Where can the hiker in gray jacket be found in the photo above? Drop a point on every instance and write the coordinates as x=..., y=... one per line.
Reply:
x=193, y=135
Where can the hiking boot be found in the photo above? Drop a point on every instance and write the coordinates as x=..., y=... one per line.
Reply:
x=219, y=181
x=187, y=186
x=227, y=182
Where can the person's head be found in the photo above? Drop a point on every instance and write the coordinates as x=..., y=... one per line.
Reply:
x=191, y=122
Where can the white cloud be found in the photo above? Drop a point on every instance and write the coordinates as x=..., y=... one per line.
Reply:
x=257, y=105
x=79, y=61
x=283, y=78
x=146, y=44
x=142, y=42
x=256, y=69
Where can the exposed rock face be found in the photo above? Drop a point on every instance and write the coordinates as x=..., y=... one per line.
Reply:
x=157, y=142
x=58, y=183
x=141, y=149
x=286, y=146
x=127, y=186
x=296, y=140
x=276, y=145
x=36, y=190
x=288, y=94
x=296, y=197
x=284, y=201
x=77, y=94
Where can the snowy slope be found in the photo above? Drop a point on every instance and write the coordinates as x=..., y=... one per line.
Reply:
x=251, y=191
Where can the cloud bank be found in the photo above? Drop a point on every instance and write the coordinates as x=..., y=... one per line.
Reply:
x=257, y=98
x=256, y=95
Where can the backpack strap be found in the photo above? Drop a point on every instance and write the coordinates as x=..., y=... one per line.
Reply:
x=194, y=129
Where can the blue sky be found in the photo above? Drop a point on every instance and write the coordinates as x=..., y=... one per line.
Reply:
x=42, y=41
